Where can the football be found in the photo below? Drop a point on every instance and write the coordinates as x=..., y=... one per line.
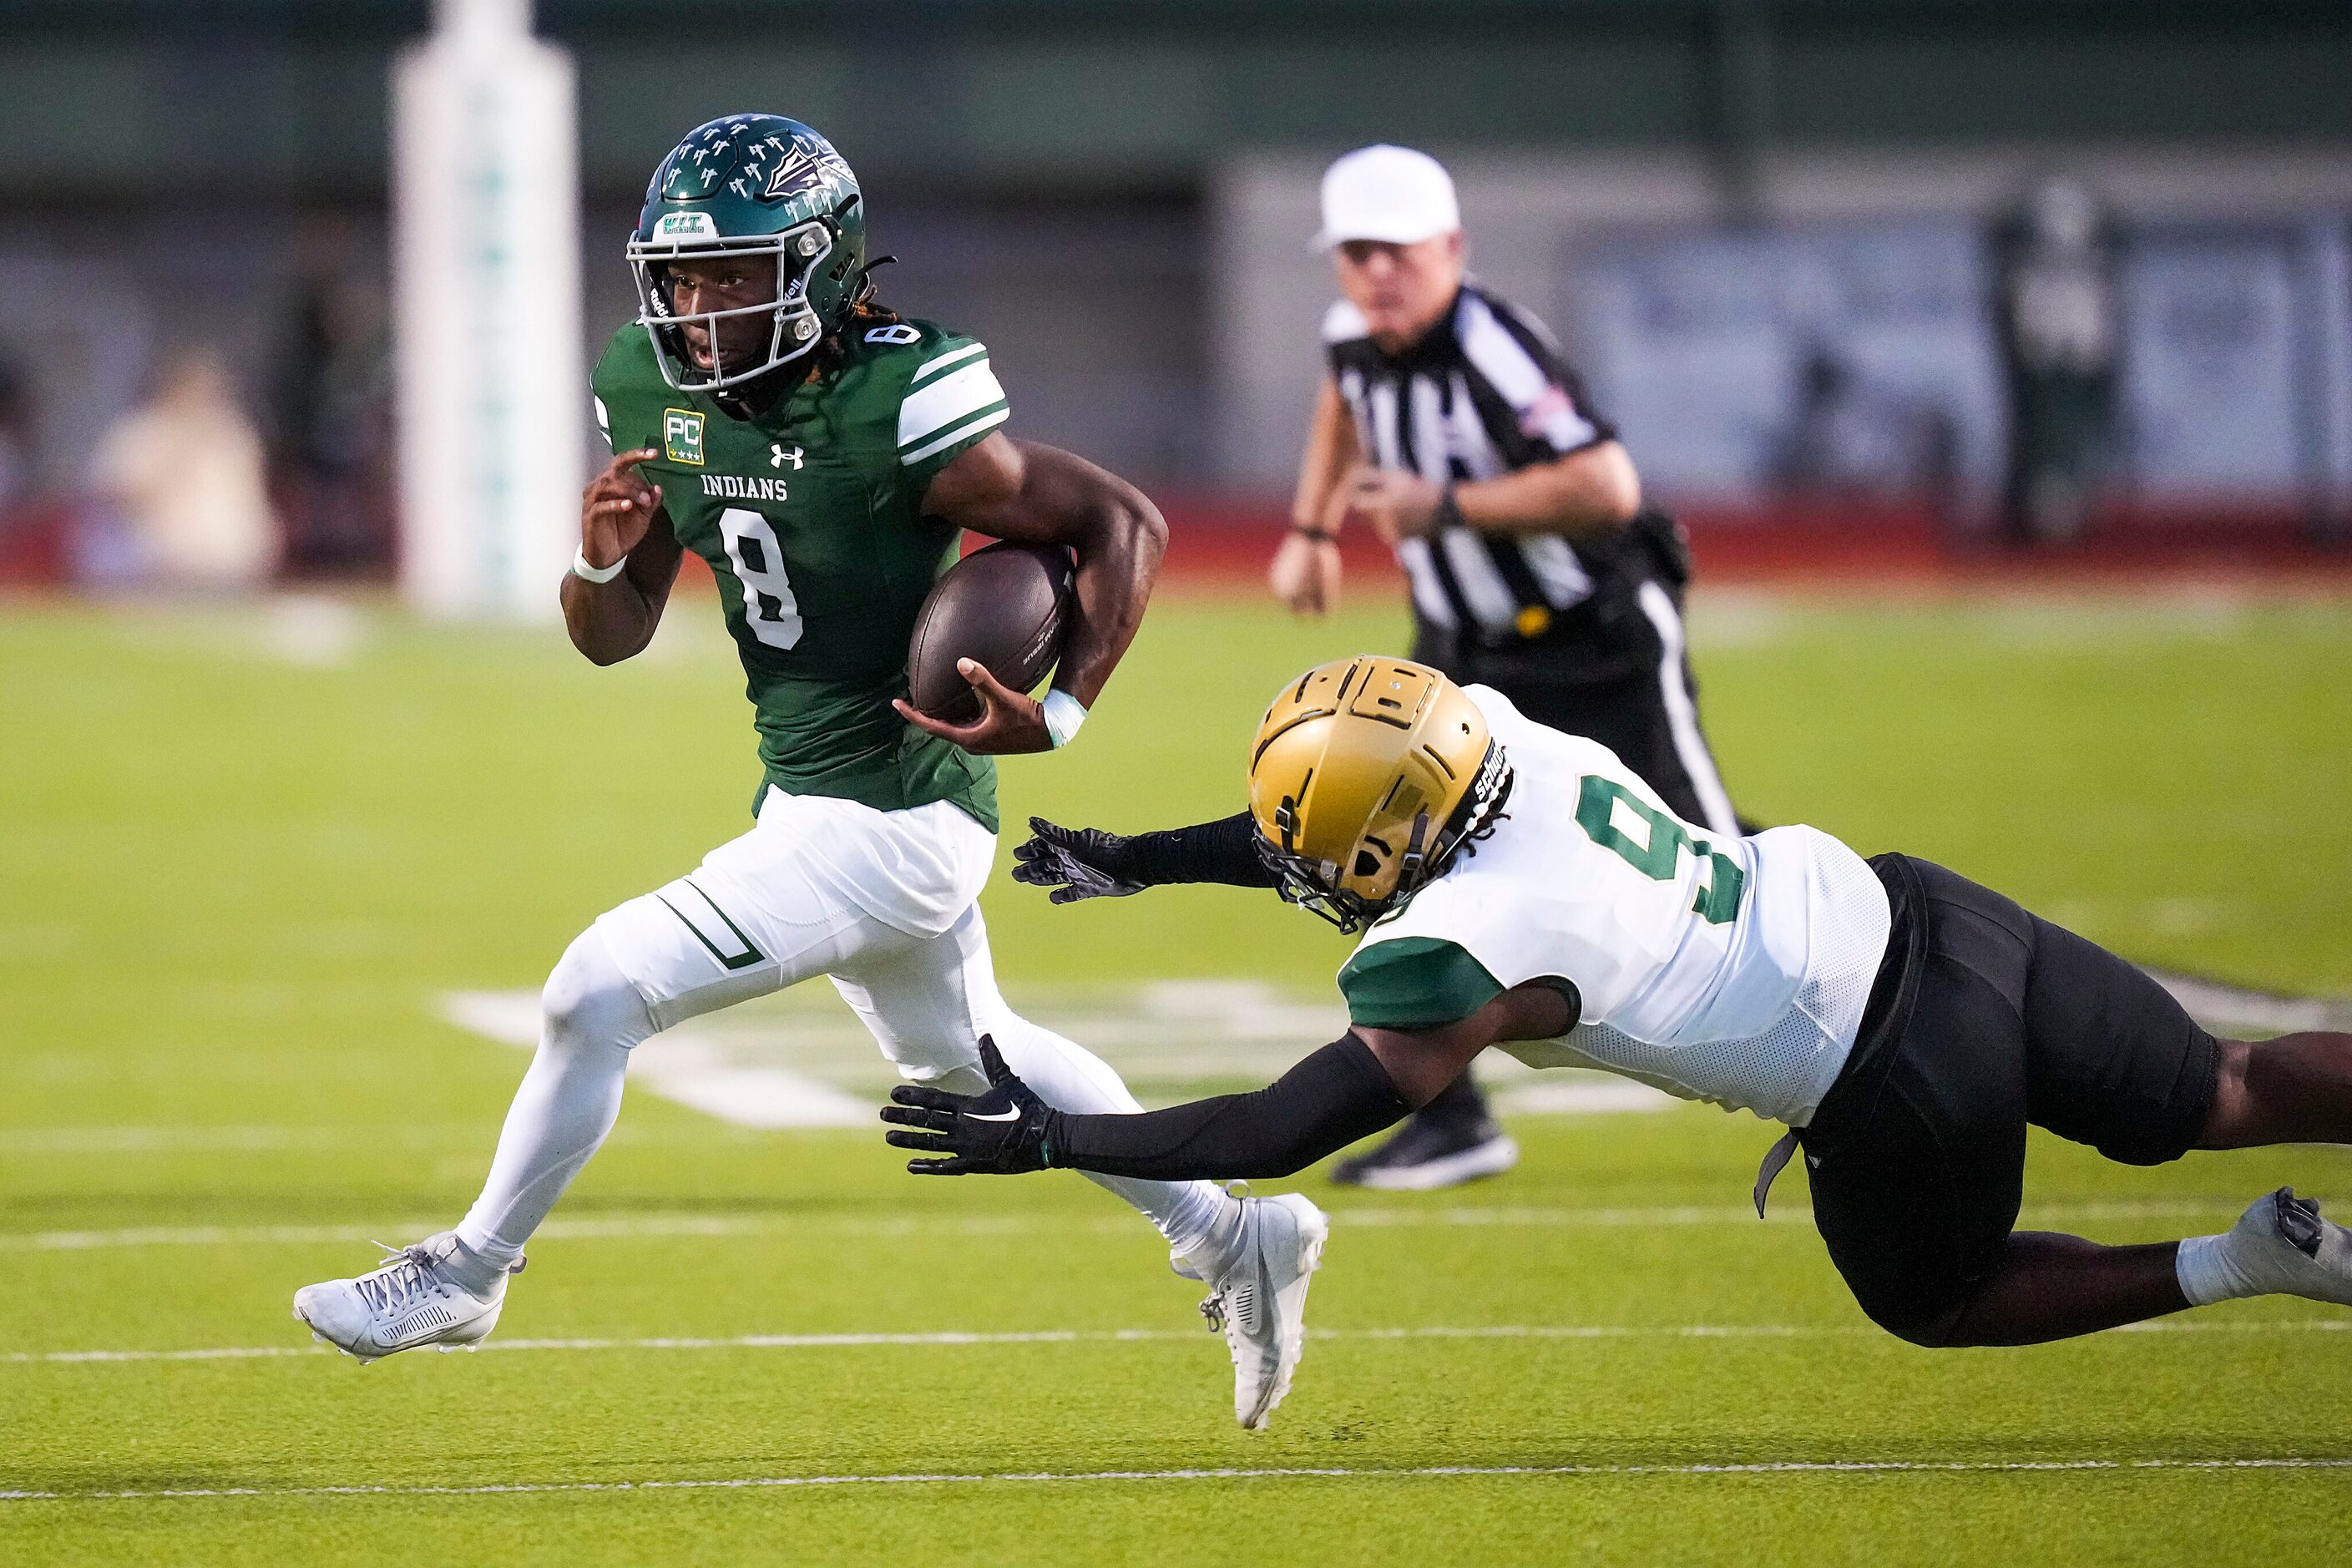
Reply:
x=1005, y=606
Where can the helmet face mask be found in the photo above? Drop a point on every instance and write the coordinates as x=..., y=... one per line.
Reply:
x=797, y=255
x=757, y=187
x=1316, y=888
x=1314, y=885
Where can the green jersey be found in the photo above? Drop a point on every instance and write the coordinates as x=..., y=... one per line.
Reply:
x=811, y=518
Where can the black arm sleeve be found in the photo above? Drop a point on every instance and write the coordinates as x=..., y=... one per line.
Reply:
x=1222, y=851
x=1334, y=1097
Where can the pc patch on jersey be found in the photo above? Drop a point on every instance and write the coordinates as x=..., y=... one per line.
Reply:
x=682, y=435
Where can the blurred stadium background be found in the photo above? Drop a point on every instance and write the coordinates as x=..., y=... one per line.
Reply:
x=280, y=859
x=1768, y=232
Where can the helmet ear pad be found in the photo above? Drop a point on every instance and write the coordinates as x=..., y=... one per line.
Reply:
x=844, y=256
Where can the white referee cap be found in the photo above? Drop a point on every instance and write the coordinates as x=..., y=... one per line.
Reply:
x=1394, y=194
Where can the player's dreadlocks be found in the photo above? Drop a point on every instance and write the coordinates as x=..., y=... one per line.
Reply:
x=865, y=313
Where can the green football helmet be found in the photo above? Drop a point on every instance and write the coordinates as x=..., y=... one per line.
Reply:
x=750, y=184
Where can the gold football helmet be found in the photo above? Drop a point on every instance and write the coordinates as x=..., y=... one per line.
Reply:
x=1367, y=774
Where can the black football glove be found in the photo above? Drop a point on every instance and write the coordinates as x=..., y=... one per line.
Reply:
x=1000, y=1133
x=1076, y=863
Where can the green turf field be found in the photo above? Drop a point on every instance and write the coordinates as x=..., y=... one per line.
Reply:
x=246, y=857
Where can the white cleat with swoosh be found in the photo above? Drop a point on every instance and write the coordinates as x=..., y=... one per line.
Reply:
x=1259, y=1299
x=408, y=1302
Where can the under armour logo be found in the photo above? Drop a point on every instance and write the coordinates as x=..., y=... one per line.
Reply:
x=778, y=457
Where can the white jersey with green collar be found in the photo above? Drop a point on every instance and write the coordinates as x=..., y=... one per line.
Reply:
x=1734, y=971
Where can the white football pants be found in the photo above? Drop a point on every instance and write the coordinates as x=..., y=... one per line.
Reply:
x=884, y=903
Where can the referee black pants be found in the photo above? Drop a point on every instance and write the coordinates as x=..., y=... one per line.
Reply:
x=1636, y=696
x=1639, y=699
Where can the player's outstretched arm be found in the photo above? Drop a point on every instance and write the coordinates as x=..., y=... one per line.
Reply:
x=1360, y=1083
x=1043, y=495
x=1088, y=863
x=1335, y=1096
x=620, y=519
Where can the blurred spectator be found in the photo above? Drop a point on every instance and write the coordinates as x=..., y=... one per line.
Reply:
x=2056, y=309
x=32, y=527
x=16, y=438
x=183, y=476
x=1848, y=437
x=330, y=411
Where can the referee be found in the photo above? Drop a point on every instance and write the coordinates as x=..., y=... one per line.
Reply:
x=1448, y=420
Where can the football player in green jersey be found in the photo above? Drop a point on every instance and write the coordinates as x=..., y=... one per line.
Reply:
x=823, y=456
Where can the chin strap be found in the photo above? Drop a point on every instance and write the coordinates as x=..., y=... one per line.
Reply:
x=1417, y=855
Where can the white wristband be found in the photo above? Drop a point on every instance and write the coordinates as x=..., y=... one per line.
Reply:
x=1064, y=714
x=580, y=568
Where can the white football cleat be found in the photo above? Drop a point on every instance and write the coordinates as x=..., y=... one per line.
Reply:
x=2283, y=1246
x=1259, y=1299
x=408, y=1302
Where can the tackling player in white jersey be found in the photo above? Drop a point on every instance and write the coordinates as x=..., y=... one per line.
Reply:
x=1523, y=888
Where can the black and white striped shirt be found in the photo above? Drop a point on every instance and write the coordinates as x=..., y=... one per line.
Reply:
x=1483, y=392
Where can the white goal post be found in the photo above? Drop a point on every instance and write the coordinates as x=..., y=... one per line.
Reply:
x=486, y=278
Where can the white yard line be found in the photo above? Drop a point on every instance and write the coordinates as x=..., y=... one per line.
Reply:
x=2218, y=1006
x=1397, y=1217
x=151, y=1140
x=313, y=631
x=1237, y=1473
x=480, y=1135
x=632, y=1229
x=949, y=1338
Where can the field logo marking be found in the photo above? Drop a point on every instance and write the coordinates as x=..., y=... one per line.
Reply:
x=820, y=1067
